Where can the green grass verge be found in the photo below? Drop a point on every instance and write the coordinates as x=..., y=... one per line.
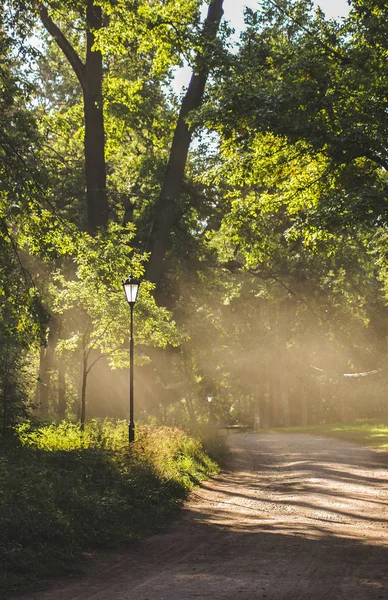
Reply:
x=368, y=432
x=63, y=493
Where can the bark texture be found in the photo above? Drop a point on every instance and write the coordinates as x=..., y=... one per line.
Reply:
x=90, y=76
x=166, y=207
x=95, y=169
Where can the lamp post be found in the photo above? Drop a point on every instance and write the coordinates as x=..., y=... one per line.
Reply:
x=131, y=288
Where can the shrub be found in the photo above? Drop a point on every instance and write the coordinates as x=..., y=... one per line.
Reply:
x=63, y=492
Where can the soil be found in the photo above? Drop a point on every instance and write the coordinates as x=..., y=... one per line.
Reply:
x=294, y=517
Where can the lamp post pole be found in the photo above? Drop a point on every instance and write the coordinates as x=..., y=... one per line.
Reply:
x=131, y=425
x=131, y=288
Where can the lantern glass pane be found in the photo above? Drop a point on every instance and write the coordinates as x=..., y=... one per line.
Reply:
x=131, y=292
x=131, y=288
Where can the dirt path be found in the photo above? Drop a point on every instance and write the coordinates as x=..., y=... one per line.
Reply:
x=295, y=517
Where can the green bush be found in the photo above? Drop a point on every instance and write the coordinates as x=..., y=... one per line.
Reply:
x=64, y=491
x=213, y=441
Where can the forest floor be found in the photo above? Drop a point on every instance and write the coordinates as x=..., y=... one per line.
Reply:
x=293, y=517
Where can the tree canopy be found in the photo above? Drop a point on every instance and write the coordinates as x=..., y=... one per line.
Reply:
x=254, y=208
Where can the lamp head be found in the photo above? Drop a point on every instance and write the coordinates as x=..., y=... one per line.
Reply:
x=131, y=288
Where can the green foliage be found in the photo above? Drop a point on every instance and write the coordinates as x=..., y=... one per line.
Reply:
x=213, y=441
x=92, y=302
x=159, y=33
x=64, y=492
x=278, y=255
x=298, y=175
x=22, y=314
x=301, y=77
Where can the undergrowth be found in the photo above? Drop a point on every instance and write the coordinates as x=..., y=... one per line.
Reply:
x=63, y=492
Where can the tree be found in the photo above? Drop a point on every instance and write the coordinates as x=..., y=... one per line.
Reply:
x=90, y=77
x=267, y=242
x=305, y=78
x=307, y=289
x=95, y=314
x=166, y=207
x=100, y=22
x=22, y=315
x=142, y=31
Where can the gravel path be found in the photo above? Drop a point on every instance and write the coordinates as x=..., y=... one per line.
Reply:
x=295, y=517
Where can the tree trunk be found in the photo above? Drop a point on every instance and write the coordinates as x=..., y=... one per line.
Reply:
x=278, y=394
x=284, y=397
x=83, y=388
x=46, y=367
x=264, y=409
x=95, y=168
x=304, y=412
x=5, y=408
x=39, y=381
x=166, y=206
x=273, y=393
x=90, y=76
x=61, y=390
x=191, y=412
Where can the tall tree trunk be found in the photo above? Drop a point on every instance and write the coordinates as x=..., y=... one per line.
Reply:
x=284, y=395
x=273, y=393
x=61, y=389
x=166, y=206
x=191, y=411
x=46, y=367
x=83, y=388
x=264, y=409
x=95, y=169
x=304, y=412
x=5, y=404
x=39, y=380
x=278, y=392
x=90, y=76
x=279, y=367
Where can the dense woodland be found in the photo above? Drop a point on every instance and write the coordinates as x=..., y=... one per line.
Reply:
x=253, y=207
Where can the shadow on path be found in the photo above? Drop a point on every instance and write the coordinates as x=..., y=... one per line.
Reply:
x=296, y=517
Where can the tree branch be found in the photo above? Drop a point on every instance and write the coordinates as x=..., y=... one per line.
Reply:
x=376, y=159
x=166, y=205
x=345, y=60
x=105, y=355
x=64, y=45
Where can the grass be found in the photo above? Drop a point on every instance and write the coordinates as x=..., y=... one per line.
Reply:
x=368, y=432
x=63, y=493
